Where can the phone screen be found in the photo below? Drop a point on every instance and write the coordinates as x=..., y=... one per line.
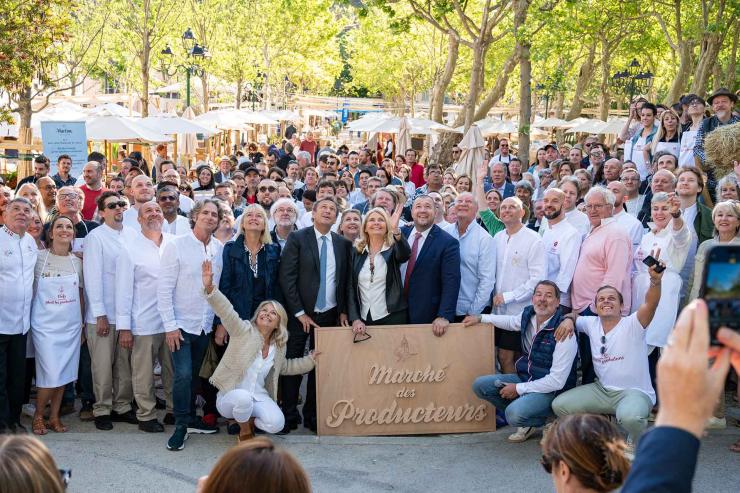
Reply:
x=721, y=289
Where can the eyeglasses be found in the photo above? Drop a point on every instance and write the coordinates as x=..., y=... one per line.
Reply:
x=49, y=187
x=183, y=188
x=597, y=154
x=113, y=205
x=455, y=151
x=595, y=206
x=68, y=196
x=546, y=464
x=361, y=338
x=267, y=189
x=603, y=345
x=167, y=198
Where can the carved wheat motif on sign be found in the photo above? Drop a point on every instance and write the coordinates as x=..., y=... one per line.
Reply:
x=403, y=351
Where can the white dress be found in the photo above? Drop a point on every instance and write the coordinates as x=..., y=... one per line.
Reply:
x=674, y=248
x=56, y=319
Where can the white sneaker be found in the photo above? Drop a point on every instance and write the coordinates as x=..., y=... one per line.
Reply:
x=157, y=369
x=29, y=410
x=522, y=434
x=714, y=423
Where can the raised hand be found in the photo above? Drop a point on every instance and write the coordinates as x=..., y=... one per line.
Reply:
x=207, y=275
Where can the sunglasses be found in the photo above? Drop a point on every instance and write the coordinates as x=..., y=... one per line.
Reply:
x=114, y=205
x=546, y=464
x=603, y=345
x=267, y=189
x=184, y=189
x=167, y=198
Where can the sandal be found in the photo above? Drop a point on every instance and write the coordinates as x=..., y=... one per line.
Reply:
x=735, y=447
x=38, y=426
x=249, y=434
x=56, y=426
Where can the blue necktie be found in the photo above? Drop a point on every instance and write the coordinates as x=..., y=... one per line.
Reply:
x=321, y=299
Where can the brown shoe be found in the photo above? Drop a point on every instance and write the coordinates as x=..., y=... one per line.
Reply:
x=247, y=431
x=67, y=409
x=86, y=412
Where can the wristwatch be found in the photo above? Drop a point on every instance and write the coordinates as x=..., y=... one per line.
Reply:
x=676, y=215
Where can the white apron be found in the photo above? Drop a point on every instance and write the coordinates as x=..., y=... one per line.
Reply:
x=667, y=312
x=686, y=152
x=672, y=147
x=56, y=326
x=638, y=156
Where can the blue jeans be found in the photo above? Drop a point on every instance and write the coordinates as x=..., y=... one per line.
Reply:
x=526, y=410
x=186, y=362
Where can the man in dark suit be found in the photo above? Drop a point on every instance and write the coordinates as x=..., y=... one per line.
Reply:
x=497, y=180
x=432, y=274
x=314, y=277
x=224, y=173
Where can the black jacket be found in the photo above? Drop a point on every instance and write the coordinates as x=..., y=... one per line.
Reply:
x=394, y=299
x=299, y=271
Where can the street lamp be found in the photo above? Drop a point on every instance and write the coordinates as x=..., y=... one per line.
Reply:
x=193, y=53
x=253, y=88
x=632, y=80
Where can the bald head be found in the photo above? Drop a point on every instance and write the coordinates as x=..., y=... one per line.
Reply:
x=142, y=189
x=620, y=192
x=612, y=169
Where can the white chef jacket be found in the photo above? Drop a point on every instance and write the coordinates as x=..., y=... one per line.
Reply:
x=179, y=227
x=180, y=297
x=520, y=265
x=562, y=244
x=17, y=261
x=138, y=269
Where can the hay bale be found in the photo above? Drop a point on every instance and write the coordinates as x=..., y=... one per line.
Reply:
x=722, y=147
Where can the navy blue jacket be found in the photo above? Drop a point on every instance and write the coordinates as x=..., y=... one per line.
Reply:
x=435, y=281
x=538, y=362
x=665, y=462
x=509, y=189
x=237, y=279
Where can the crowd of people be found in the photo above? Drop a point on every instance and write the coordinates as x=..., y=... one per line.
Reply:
x=217, y=280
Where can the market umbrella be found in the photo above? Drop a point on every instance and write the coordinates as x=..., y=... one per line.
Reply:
x=226, y=119
x=168, y=123
x=472, y=153
x=187, y=143
x=121, y=129
x=404, y=136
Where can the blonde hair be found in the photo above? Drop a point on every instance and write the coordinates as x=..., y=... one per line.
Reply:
x=661, y=129
x=265, y=238
x=731, y=206
x=280, y=334
x=364, y=239
x=26, y=466
x=41, y=207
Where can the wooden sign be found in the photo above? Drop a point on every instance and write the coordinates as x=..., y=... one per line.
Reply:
x=403, y=380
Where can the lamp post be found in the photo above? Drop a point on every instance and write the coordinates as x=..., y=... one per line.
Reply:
x=632, y=80
x=193, y=53
x=254, y=87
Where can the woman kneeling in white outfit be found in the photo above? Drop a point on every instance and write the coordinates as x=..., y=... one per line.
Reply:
x=247, y=376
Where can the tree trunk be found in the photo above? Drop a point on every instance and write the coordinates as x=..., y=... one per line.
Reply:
x=525, y=96
x=499, y=88
x=239, y=89
x=604, y=95
x=731, y=74
x=476, y=75
x=559, y=102
x=710, y=50
x=204, y=85
x=145, y=51
x=25, y=110
x=716, y=76
x=584, y=79
x=685, y=57
x=436, y=103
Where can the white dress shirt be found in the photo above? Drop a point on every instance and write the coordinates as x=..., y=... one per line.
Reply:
x=633, y=227
x=102, y=247
x=562, y=357
x=520, y=265
x=634, y=205
x=411, y=237
x=562, y=244
x=254, y=380
x=180, y=297
x=331, y=272
x=372, y=287
x=17, y=262
x=477, y=269
x=131, y=218
x=179, y=227
x=186, y=203
x=138, y=267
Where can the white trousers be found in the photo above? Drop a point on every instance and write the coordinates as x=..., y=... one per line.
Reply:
x=239, y=404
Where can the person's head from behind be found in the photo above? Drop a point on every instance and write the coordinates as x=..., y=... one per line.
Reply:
x=26, y=466
x=260, y=465
x=585, y=452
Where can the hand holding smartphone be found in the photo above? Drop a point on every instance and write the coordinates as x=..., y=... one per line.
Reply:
x=720, y=289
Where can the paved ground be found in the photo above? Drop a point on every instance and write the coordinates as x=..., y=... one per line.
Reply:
x=127, y=460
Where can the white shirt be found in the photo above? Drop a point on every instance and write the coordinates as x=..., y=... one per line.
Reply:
x=498, y=158
x=689, y=215
x=632, y=226
x=520, y=265
x=411, y=237
x=634, y=206
x=138, y=267
x=372, y=287
x=102, y=246
x=17, y=262
x=180, y=298
x=673, y=245
x=576, y=218
x=562, y=357
x=624, y=363
x=186, y=203
x=331, y=273
x=562, y=243
x=477, y=271
x=179, y=227
x=131, y=219
x=254, y=380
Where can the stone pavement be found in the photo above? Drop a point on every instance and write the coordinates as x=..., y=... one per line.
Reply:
x=127, y=460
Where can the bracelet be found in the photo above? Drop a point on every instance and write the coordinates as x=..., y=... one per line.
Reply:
x=654, y=283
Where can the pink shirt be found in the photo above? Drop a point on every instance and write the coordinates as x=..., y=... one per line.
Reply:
x=605, y=259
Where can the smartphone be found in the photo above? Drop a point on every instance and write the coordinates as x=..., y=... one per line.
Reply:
x=720, y=288
x=650, y=261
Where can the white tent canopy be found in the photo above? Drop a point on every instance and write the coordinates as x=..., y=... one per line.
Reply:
x=226, y=119
x=173, y=124
x=112, y=109
x=392, y=125
x=121, y=129
x=281, y=116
